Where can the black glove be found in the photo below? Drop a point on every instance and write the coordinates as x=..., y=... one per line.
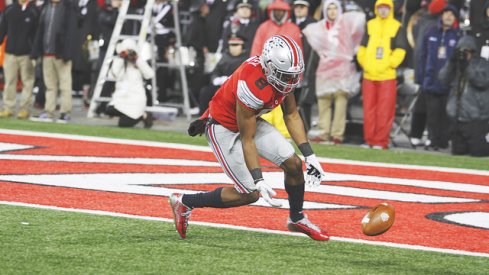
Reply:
x=197, y=127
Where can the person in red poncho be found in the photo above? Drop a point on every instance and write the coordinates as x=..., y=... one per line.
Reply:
x=279, y=23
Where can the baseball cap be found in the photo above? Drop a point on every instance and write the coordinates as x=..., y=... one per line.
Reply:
x=302, y=2
x=243, y=3
x=235, y=40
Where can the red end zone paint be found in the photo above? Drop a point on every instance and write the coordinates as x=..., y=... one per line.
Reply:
x=411, y=226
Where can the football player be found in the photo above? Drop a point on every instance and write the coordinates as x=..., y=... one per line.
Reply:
x=238, y=137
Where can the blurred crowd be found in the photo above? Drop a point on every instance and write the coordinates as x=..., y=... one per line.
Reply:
x=355, y=51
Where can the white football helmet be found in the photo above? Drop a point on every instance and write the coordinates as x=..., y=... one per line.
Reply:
x=282, y=63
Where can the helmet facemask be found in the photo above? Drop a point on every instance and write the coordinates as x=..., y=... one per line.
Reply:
x=284, y=81
x=282, y=63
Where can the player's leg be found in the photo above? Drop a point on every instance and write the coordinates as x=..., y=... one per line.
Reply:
x=294, y=186
x=282, y=153
x=228, y=151
x=272, y=146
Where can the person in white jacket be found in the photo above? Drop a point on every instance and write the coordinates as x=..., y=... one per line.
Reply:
x=129, y=99
x=336, y=39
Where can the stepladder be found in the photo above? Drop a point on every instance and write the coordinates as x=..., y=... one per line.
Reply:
x=146, y=45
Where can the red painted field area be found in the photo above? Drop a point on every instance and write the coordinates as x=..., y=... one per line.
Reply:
x=67, y=179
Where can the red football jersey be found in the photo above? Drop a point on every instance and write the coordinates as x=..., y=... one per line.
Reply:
x=247, y=86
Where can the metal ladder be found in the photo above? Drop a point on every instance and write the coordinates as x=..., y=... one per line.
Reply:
x=146, y=24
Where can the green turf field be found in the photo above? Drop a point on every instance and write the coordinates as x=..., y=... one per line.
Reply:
x=56, y=242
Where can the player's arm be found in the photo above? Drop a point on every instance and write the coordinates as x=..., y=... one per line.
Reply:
x=247, y=129
x=293, y=120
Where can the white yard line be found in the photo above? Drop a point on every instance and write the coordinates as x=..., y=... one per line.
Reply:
x=348, y=240
x=143, y=183
x=207, y=149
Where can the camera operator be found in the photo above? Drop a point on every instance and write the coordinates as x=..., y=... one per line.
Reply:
x=129, y=99
x=468, y=103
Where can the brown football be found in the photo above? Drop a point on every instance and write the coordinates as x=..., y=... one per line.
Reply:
x=378, y=219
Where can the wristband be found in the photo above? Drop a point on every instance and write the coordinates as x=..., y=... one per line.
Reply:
x=305, y=149
x=256, y=174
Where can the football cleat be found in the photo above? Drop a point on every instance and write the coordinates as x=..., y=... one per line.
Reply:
x=307, y=227
x=181, y=214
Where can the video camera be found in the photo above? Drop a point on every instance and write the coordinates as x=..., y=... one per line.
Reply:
x=463, y=54
x=129, y=55
x=462, y=57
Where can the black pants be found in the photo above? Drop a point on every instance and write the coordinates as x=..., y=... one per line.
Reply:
x=124, y=120
x=107, y=90
x=437, y=119
x=418, y=119
x=470, y=138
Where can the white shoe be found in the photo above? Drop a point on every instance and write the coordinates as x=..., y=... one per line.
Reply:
x=415, y=141
x=377, y=147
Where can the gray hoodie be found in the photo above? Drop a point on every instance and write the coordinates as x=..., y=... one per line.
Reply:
x=474, y=100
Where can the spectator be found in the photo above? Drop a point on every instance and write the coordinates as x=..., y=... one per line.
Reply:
x=214, y=23
x=480, y=31
x=468, y=76
x=163, y=22
x=54, y=43
x=107, y=18
x=241, y=24
x=336, y=39
x=86, y=31
x=428, y=18
x=301, y=14
x=382, y=50
x=39, y=87
x=164, y=39
x=19, y=23
x=438, y=44
x=305, y=94
x=196, y=37
x=234, y=56
x=129, y=99
x=213, y=31
x=279, y=13
x=370, y=8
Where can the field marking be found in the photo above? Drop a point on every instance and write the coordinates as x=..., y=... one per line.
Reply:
x=261, y=230
x=141, y=183
x=5, y=146
x=477, y=219
x=112, y=160
x=432, y=184
x=207, y=149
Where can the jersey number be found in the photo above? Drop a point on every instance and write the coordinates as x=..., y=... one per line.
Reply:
x=261, y=83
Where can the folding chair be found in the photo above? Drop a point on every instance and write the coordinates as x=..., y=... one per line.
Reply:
x=407, y=95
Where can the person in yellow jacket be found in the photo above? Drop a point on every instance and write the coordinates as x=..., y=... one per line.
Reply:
x=382, y=50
